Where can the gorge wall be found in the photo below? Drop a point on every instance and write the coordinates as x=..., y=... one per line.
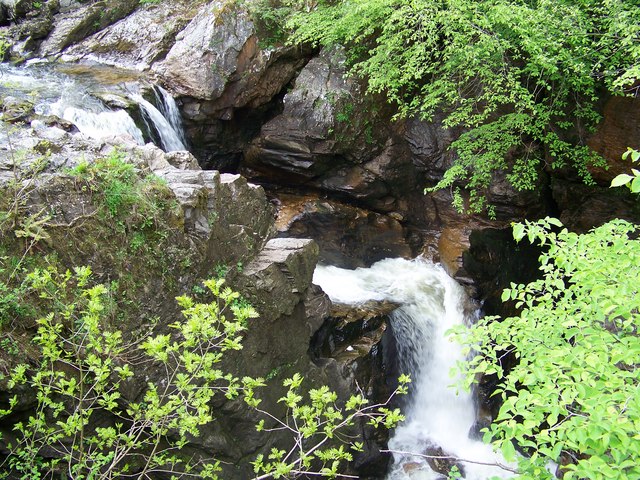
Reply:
x=333, y=166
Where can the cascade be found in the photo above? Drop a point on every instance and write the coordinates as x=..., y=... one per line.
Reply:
x=73, y=98
x=436, y=414
x=170, y=137
x=92, y=118
x=170, y=111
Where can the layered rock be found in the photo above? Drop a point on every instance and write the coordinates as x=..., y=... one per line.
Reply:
x=358, y=339
x=347, y=235
x=328, y=137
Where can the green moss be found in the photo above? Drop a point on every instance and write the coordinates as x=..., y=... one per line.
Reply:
x=129, y=229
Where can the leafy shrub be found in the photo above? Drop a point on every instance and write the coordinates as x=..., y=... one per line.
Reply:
x=83, y=424
x=572, y=398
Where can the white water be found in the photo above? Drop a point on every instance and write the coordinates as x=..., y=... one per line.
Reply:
x=69, y=97
x=170, y=111
x=169, y=136
x=431, y=303
x=94, y=119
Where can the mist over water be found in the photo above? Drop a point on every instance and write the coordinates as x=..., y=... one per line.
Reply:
x=436, y=415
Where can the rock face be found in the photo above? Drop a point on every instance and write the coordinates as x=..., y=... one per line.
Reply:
x=217, y=218
x=138, y=40
x=326, y=139
x=84, y=21
x=359, y=340
x=226, y=81
x=347, y=235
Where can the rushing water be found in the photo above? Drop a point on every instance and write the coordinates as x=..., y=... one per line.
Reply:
x=170, y=134
x=431, y=303
x=76, y=95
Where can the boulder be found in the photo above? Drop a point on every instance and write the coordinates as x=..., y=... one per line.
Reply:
x=442, y=462
x=217, y=57
x=75, y=25
x=138, y=40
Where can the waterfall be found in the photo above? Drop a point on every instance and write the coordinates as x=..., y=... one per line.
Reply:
x=170, y=111
x=167, y=127
x=77, y=100
x=431, y=303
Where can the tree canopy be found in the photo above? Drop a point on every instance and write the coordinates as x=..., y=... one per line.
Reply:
x=521, y=77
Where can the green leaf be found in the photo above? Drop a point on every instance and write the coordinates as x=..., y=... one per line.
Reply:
x=620, y=180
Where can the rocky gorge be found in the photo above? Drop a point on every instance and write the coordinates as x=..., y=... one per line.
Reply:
x=291, y=163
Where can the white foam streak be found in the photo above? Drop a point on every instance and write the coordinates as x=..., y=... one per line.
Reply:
x=99, y=124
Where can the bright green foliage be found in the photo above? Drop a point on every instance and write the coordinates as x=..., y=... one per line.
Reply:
x=317, y=427
x=517, y=75
x=632, y=181
x=135, y=201
x=85, y=425
x=95, y=345
x=84, y=366
x=573, y=396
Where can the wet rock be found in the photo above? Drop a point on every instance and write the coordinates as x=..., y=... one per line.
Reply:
x=348, y=236
x=75, y=25
x=352, y=332
x=16, y=109
x=358, y=340
x=442, y=462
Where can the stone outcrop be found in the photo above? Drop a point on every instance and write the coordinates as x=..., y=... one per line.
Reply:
x=219, y=218
x=227, y=83
x=347, y=235
x=83, y=21
x=327, y=137
x=358, y=340
x=138, y=40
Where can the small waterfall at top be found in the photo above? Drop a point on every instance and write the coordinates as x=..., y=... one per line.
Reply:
x=436, y=416
x=74, y=98
x=165, y=120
